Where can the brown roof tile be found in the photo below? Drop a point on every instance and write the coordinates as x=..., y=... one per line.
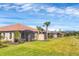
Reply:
x=16, y=27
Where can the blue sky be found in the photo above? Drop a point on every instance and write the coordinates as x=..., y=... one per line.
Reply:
x=61, y=15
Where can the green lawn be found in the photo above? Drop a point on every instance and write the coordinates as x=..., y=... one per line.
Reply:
x=53, y=47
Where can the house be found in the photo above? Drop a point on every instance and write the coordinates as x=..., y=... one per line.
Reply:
x=54, y=34
x=26, y=32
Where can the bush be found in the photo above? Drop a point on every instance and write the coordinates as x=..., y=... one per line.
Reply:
x=3, y=45
x=5, y=41
x=77, y=37
x=16, y=36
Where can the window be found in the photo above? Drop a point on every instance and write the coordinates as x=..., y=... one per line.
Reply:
x=10, y=35
x=3, y=35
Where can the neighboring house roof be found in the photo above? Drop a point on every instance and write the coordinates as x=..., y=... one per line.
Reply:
x=16, y=27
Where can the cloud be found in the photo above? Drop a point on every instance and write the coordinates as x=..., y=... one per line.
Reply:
x=50, y=9
x=16, y=6
x=7, y=6
x=60, y=11
x=22, y=7
x=69, y=11
x=65, y=11
x=72, y=11
x=31, y=7
x=47, y=9
x=25, y=7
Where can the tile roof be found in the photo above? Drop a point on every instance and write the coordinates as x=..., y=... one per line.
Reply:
x=16, y=27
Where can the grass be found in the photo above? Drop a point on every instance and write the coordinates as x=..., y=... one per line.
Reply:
x=66, y=46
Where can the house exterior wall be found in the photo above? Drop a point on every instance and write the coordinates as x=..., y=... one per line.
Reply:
x=26, y=37
x=41, y=37
x=6, y=36
x=35, y=36
x=55, y=35
x=9, y=36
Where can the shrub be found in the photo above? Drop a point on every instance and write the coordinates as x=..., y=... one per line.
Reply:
x=16, y=36
x=5, y=41
x=3, y=45
x=1, y=37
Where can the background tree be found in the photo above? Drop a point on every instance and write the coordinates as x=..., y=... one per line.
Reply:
x=46, y=24
x=40, y=30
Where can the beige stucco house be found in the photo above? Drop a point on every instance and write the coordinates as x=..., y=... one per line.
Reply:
x=26, y=32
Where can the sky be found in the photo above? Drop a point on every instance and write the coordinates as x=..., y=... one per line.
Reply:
x=64, y=16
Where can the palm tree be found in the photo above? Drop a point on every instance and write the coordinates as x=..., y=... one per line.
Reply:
x=46, y=24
